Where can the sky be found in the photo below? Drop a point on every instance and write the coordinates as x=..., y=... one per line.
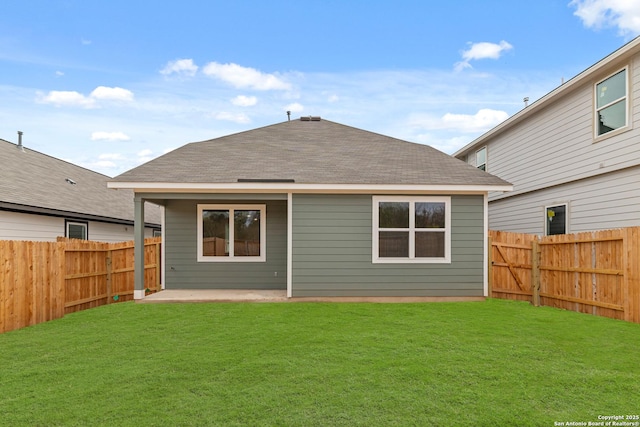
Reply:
x=111, y=84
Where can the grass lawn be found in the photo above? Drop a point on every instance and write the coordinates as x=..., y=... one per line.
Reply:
x=493, y=363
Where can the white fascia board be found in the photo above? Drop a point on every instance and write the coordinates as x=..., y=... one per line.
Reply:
x=242, y=187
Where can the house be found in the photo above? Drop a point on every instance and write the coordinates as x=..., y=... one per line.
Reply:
x=42, y=198
x=573, y=156
x=319, y=209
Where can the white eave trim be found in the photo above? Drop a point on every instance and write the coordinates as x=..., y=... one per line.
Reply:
x=245, y=187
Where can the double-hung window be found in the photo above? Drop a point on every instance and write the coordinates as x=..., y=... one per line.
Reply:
x=411, y=229
x=232, y=233
x=481, y=159
x=611, y=103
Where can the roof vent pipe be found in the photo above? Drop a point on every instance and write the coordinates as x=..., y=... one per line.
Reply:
x=288, y=115
x=526, y=101
x=20, y=147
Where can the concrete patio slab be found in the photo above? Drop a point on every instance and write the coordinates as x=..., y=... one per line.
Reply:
x=215, y=295
x=257, y=295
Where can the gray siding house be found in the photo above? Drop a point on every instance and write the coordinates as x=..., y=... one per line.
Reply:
x=43, y=198
x=573, y=156
x=319, y=209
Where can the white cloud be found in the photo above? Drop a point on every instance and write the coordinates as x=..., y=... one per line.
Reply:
x=244, y=101
x=180, y=66
x=112, y=93
x=104, y=164
x=295, y=107
x=447, y=145
x=245, y=77
x=333, y=98
x=145, y=156
x=232, y=117
x=483, y=120
x=109, y=136
x=482, y=50
x=73, y=98
x=111, y=156
x=85, y=41
x=59, y=74
x=623, y=14
x=66, y=98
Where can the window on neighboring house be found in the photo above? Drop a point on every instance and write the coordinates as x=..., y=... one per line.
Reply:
x=232, y=233
x=556, y=220
x=411, y=229
x=611, y=103
x=481, y=159
x=77, y=230
x=157, y=233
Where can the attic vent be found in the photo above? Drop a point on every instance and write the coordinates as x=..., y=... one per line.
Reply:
x=310, y=118
x=265, y=180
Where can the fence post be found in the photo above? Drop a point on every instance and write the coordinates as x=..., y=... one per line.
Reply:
x=490, y=267
x=631, y=281
x=158, y=269
x=535, y=272
x=60, y=279
x=109, y=269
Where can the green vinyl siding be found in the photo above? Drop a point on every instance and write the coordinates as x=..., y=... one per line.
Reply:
x=332, y=244
x=183, y=271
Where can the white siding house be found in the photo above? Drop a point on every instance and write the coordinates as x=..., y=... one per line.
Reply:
x=43, y=198
x=573, y=156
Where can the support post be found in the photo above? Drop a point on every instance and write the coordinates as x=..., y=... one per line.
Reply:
x=289, y=245
x=138, y=250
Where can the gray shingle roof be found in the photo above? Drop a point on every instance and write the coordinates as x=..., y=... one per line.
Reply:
x=29, y=179
x=309, y=152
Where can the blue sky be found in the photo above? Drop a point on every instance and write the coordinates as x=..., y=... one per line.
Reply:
x=111, y=84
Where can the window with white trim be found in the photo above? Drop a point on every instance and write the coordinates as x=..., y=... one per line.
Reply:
x=611, y=103
x=232, y=233
x=77, y=230
x=481, y=159
x=411, y=229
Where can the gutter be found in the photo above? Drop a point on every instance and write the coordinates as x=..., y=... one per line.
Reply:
x=281, y=187
x=35, y=210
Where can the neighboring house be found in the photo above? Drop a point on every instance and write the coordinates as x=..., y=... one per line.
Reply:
x=319, y=209
x=573, y=155
x=42, y=198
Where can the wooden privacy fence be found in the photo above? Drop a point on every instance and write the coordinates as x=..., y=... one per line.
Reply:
x=41, y=281
x=594, y=272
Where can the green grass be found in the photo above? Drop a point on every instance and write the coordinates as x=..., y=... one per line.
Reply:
x=487, y=363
